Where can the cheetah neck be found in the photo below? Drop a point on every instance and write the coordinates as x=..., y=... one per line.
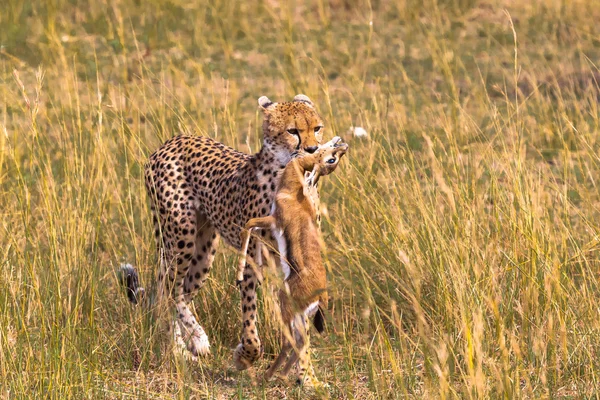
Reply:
x=270, y=164
x=270, y=154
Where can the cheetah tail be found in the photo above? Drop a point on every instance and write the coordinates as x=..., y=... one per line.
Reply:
x=129, y=278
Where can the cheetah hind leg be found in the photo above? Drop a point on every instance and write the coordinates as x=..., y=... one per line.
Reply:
x=192, y=333
x=206, y=241
x=206, y=244
x=181, y=348
x=188, y=334
x=249, y=349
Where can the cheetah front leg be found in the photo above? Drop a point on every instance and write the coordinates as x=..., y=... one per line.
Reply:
x=249, y=349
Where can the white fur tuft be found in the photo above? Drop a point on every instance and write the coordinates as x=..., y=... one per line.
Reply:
x=303, y=98
x=358, y=132
x=264, y=102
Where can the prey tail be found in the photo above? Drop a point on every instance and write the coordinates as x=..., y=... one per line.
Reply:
x=319, y=320
x=131, y=281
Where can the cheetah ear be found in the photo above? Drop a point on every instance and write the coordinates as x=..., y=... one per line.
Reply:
x=265, y=103
x=303, y=98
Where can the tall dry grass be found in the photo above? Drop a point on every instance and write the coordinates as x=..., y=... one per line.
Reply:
x=462, y=235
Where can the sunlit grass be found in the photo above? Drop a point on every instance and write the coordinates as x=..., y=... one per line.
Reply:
x=462, y=234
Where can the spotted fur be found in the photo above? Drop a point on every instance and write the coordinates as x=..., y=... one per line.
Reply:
x=201, y=191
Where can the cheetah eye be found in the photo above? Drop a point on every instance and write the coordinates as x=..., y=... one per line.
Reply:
x=318, y=128
x=293, y=131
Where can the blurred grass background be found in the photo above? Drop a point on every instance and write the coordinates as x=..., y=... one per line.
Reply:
x=462, y=234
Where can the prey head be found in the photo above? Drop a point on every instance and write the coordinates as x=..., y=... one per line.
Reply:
x=330, y=154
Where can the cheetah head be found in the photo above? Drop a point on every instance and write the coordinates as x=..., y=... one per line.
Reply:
x=291, y=126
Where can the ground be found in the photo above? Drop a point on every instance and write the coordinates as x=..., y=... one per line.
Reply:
x=462, y=233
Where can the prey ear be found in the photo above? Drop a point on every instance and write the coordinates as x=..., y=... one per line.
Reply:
x=265, y=103
x=304, y=99
x=313, y=178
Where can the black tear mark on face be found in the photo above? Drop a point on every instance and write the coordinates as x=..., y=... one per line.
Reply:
x=295, y=132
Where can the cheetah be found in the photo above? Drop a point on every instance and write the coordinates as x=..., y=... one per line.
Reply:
x=293, y=223
x=201, y=191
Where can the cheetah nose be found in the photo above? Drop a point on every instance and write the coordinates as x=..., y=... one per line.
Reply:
x=311, y=149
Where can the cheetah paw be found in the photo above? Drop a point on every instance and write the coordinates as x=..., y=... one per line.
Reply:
x=242, y=359
x=241, y=363
x=196, y=345
x=181, y=349
x=199, y=345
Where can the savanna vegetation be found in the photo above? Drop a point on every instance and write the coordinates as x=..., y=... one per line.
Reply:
x=462, y=234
